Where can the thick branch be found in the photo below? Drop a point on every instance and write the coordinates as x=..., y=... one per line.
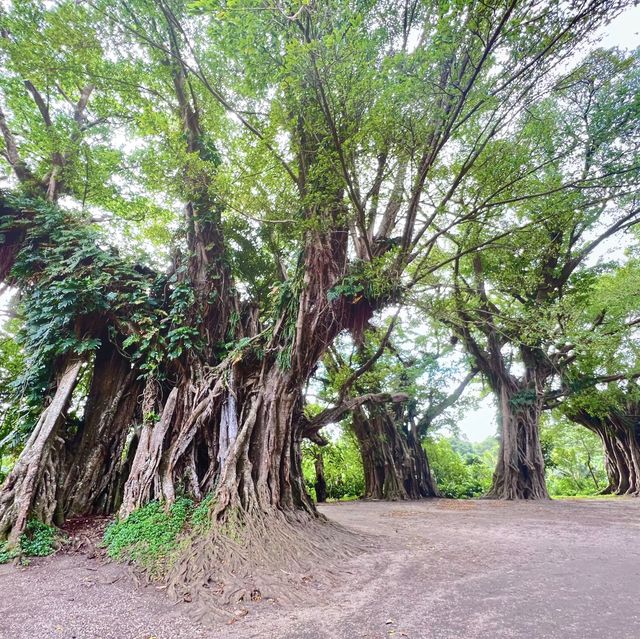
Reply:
x=335, y=413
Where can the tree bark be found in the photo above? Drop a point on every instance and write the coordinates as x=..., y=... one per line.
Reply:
x=519, y=473
x=93, y=482
x=620, y=436
x=395, y=464
x=30, y=488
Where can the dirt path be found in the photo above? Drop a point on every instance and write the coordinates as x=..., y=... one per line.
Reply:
x=565, y=569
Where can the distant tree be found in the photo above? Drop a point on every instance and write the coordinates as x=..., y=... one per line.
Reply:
x=575, y=177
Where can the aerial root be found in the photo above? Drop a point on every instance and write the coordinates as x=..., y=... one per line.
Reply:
x=283, y=558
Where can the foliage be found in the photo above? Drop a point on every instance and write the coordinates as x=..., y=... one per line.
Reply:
x=38, y=540
x=76, y=283
x=419, y=361
x=574, y=459
x=461, y=471
x=534, y=298
x=150, y=535
x=342, y=467
x=12, y=367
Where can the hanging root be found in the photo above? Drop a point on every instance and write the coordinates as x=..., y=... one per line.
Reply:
x=276, y=556
x=30, y=487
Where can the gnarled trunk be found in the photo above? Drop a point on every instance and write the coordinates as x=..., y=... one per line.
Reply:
x=395, y=464
x=62, y=472
x=519, y=473
x=622, y=461
x=93, y=480
x=620, y=436
x=30, y=488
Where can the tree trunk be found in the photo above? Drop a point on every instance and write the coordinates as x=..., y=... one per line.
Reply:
x=395, y=464
x=30, y=488
x=93, y=482
x=321, y=482
x=520, y=470
x=620, y=436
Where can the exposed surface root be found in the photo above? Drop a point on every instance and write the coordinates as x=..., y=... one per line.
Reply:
x=276, y=557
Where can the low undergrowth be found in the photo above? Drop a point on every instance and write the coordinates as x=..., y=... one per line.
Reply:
x=151, y=536
x=38, y=540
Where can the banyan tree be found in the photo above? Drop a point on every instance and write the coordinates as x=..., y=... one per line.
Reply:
x=619, y=431
x=201, y=201
x=515, y=308
x=390, y=433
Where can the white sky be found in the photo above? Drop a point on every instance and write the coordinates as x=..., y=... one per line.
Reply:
x=624, y=31
x=480, y=423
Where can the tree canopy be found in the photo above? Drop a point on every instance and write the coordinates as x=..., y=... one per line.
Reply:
x=206, y=203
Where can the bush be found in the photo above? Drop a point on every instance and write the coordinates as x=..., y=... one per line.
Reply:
x=151, y=535
x=342, y=468
x=574, y=462
x=457, y=475
x=38, y=540
x=7, y=554
x=148, y=536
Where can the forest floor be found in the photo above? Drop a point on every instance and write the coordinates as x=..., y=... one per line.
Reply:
x=442, y=569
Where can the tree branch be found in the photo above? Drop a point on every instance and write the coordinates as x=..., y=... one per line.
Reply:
x=335, y=413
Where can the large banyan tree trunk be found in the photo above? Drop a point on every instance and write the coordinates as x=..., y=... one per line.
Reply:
x=395, y=464
x=620, y=435
x=519, y=473
x=68, y=469
x=261, y=515
x=96, y=455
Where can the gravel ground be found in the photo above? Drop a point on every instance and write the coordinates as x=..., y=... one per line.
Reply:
x=443, y=569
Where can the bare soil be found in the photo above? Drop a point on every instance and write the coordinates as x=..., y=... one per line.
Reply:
x=441, y=569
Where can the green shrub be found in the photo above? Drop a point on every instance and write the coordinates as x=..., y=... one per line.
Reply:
x=459, y=475
x=7, y=554
x=574, y=461
x=38, y=540
x=149, y=535
x=342, y=468
x=200, y=517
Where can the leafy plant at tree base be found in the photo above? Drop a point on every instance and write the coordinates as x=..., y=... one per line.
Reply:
x=38, y=540
x=150, y=536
